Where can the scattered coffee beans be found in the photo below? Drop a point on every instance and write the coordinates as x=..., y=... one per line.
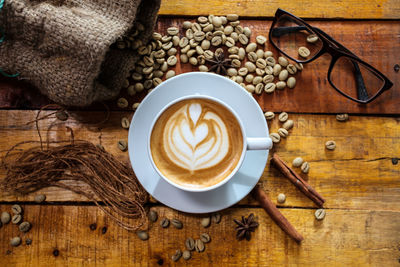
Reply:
x=205, y=222
x=320, y=214
x=5, y=217
x=16, y=209
x=269, y=115
x=143, y=235
x=281, y=198
x=199, y=245
x=16, y=219
x=15, y=241
x=190, y=244
x=164, y=223
x=24, y=227
x=177, y=223
x=186, y=255
x=342, y=117
x=283, y=117
x=297, y=162
x=125, y=123
x=177, y=255
x=40, y=198
x=305, y=167
x=122, y=145
x=205, y=238
x=153, y=216
x=331, y=145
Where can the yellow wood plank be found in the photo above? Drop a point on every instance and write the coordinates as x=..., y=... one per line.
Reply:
x=359, y=174
x=343, y=238
x=349, y=9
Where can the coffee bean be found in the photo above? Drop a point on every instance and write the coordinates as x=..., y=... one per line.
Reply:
x=297, y=162
x=172, y=60
x=232, y=17
x=24, y=227
x=283, y=75
x=159, y=54
x=199, y=245
x=16, y=209
x=239, y=79
x=122, y=145
x=276, y=138
x=143, y=235
x=277, y=69
x=280, y=85
x=250, y=66
x=247, y=31
x=269, y=115
x=281, y=198
x=172, y=51
x=5, y=217
x=269, y=88
x=15, y=241
x=216, y=40
x=16, y=219
x=125, y=123
x=303, y=52
x=139, y=87
x=270, y=61
x=28, y=241
x=229, y=42
x=231, y=72
x=291, y=82
x=312, y=38
x=190, y=244
x=257, y=80
x=342, y=117
x=184, y=58
x=216, y=218
x=186, y=255
x=62, y=115
x=135, y=105
x=175, y=40
x=259, y=88
x=261, y=63
x=153, y=216
x=291, y=69
x=250, y=88
x=203, y=68
x=199, y=36
x=331, y=145
x=177, y=255
x=260, y=72
x=241, y=53
x=186, y=25
x=283, y=61
x=288, y=125
x=205, y=222
x=305, y=167
x=201, y=60
x=261, y=39
x=236, y=63
x=283, y=132
x=243, y=39
x=268, y=78
x=193, y=61
x=177, y=223
x=283, y=117
x=122, y=103
x=251, y=47
x=269, y=70
x=243, y=71
x=166, y=39
x=320, y=214
x=205, y=238
x=164, y=223
x=131, y=90
x=298, y=66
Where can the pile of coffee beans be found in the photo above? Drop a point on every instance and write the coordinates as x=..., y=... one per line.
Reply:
x=282, y=132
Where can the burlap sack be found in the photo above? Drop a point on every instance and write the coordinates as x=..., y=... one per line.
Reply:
x=63, y=46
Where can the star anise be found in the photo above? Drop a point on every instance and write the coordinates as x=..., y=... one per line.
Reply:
x=219, y=64
x=245, y=227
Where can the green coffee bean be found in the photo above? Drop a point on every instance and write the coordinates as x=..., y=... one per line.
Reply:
x=216, y=218
x=186, y=255
x=305, y=167
x=122, y=102
x=291, y=69
x=125, y=123
x=186, y=25
x=190, y=244
x=205, y=44
x=269, y=70
x=172, y=60
x=298, y=66
x=216, y=40
x=297, y=162
x=261, y=63
x=139, y=87
x=320, y=214
x=175, y=40
x=236, y=63
x=260, y=72
x=164, y=223
x=170, y=74
x=252, y=56
x=342, y=117
x=258, y=88
x=16, y=219
x=257, y=80
x=270, y=61
x=283, y=117
x=303, y=52
x=205, y=222
x=269, y=115
x=331, y=145
x=276, y=138
x=249, y=78
x=199, y=36
x=208, y=28
x=283, y=132
x=269, y=88
x=203, y=68
x=291, y=82
x=261, y=39
x=156, y=81
x=135, y=105
x=251, y=47
x=283, y=61
x=193, y=61
x=283, y=75
x=250, y=88
x=281, y=198
x=15, y=241
x=247, y=32
x=232, y=17
x=184, y=58
x=232, y=72
x=177, y=255
x=143, y=235
x=243, y=39
x=280, y=85
x=172, y=52
x=268, y=79
x=250, y=66
x=205, y=238
x=24, y=227
x=288, y=124
x=40, y=198
x=243, y=71
x=312, y=38
x=199, y=245
x=153, y=216
x=5, y=217
x=177, y=223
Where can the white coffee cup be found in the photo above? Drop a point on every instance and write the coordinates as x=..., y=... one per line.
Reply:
x=249, y=143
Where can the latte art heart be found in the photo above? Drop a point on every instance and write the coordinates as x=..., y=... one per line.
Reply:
x=196, y=143
x=195, y=139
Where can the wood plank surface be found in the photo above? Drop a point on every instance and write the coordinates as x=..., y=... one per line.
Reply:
x=376, y=42
x=343, y=238
x=347, y=9
x=363, y=143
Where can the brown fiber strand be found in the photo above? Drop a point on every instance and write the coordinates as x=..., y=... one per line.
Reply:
x=81, y=167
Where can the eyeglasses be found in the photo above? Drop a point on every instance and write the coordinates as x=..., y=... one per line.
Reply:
x=349, y=75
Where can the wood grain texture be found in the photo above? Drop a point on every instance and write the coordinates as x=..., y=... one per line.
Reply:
x=359, y=174
x=353, y=9
x=375, y=43
x=343, y=238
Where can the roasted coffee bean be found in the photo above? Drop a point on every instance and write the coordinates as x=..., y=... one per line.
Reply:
x=122, y=102
x=122, y=145
x=304, y=52
x=281, y=198
x=15, y=241
x=312, y=38
x=261, y=39
x=283, y=132
x=205, y=238
x=186, y=255
x=62, y=115
x=16, y=209
x=190, y=244
x=291, y=69
x=24, y=227
x=320, y=214
x=164, y=223
x=297, y=162
x=143, y=235
x=283, y=117
x=288, y=124
x=331, y=145
x=177, y=223
x=283, y=61
x=216, y=218
x=205, y=222
x=269, y=88
x=280, y=85
x=305, y=167
x=153, y=216
x=276, y=138
x=199, y=245
x=5, y=217
x=16, y=219
x=177, y=255
x=342, y=117
x=291, y=82
x=125, y=123
x=269, y=115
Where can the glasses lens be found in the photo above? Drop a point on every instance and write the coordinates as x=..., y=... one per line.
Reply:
x=355, y=79
x=295, y=39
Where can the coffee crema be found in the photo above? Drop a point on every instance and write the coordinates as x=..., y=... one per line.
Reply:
x=196, y=143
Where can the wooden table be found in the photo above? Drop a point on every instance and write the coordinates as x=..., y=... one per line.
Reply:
x=360, y=179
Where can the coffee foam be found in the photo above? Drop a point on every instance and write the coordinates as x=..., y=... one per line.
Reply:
x=196, y=142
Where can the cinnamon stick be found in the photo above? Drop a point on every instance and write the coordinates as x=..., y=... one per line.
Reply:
x=275, y=214
x=293, y=177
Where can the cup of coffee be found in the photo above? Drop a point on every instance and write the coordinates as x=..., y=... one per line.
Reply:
x=197, y=143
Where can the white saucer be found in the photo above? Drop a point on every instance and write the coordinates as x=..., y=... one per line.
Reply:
x=207, y=84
